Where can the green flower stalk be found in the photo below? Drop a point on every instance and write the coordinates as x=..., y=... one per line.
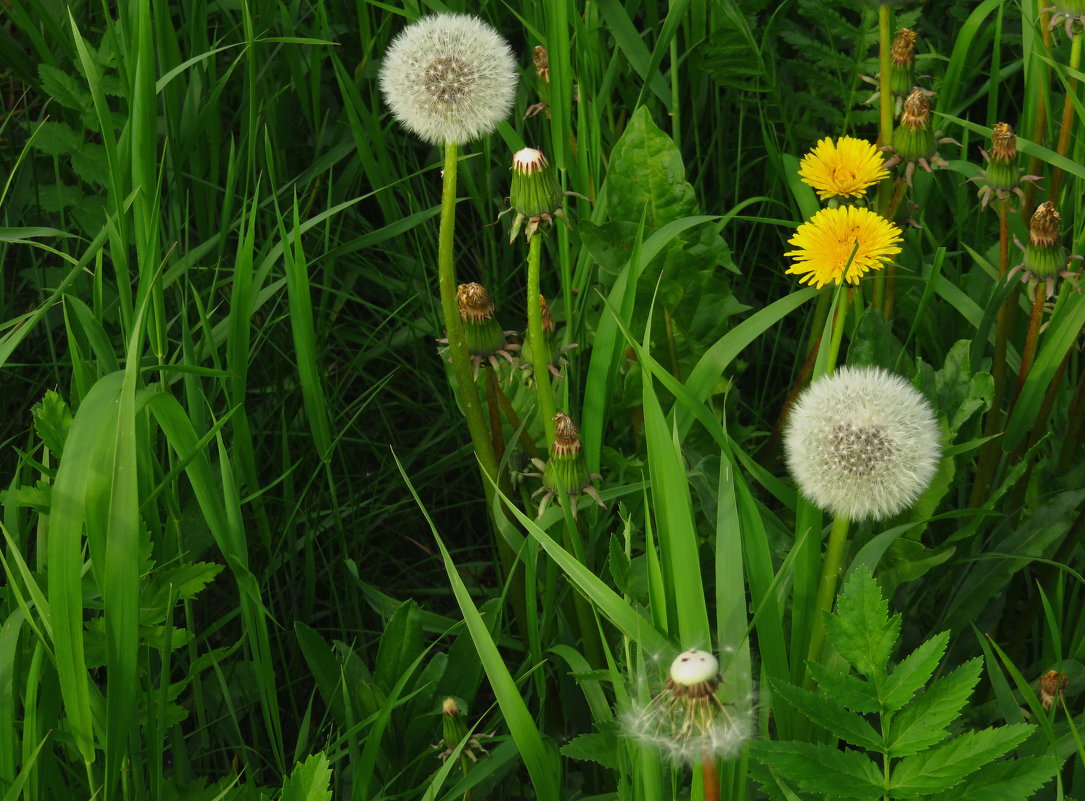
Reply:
x=536, y=197
x=914, y=141
x=566, y=471
x=551, y=354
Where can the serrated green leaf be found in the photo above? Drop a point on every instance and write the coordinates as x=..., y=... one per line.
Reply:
x=601, y=747
x=774, y=785
x=309, y=781
x=853, y=692
x=52, y=419
x=39, y=497
x=56, y=138
x=923, y=722
x=400, y=644
x=826, y=713
x=944, y=766
x=913, y=672
x=820, y=768
x=63, y=88
x=179, y=584
x=861, y=630
x=90, y=164
x=1009, y=780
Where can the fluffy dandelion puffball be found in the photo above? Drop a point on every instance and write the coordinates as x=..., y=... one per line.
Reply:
x=842, y=244
x=449, y=78
x=862, y=443
x=844, y=168
x=687, y=721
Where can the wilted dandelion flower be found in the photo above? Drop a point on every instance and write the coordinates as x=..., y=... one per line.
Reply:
x=862, y=443
x=844, y=168
x=449, y=78
x=842, y=244
x=687, y=721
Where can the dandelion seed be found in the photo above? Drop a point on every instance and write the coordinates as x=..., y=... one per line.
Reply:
x=687, y=721
x=842, y=244
x=449, y=78
x=862, y=443
x=844, y=168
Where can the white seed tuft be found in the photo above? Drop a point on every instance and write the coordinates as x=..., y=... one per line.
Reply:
x=449, y=78
x=862, y=443
x=694, y=667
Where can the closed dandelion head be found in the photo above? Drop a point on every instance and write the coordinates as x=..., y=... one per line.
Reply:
x=449, y=78
x=1001, y=176
x=1045, y=257
x=486, y=340
x=914, y=141
x=844, y=168
x=687, y=721
x=862, y=443
x=902, y=62
x=842, y=244
x=565, y=473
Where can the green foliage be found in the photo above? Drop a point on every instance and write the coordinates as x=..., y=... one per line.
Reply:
x=916, y=744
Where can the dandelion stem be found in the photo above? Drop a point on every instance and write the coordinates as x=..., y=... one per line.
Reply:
x=830, y=573
x=539, y=367
x=885, y=95
x=988, y=457
x=1039, y=127
x=1067, y=113
x=1033, y=335
x=711, y=779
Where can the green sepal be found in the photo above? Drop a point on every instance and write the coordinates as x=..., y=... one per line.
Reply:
x=913, y=143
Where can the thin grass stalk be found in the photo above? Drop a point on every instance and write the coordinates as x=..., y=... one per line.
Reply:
x=1039, y=127
x=539, y=366
x=496, y=433
x=1076, y=423
x=1067, y=124
x=1039, y=425
x=838, y=328
x=990, y=451
x=891, y=269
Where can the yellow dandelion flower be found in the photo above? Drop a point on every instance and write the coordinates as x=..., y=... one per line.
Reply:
x=825, y=244
x=844, y=168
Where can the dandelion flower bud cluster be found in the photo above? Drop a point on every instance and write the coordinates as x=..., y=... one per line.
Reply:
x=862, y=443
x=687, y=721
x=449, y=78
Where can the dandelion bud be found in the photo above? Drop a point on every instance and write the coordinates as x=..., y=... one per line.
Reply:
x=485, y=338
x=453, y=726
x=1002, y=166
x=902, y=62
x=449, y=78
x=536, y=196
x=566, y=471
x=914, y=138
x=862, y=443
x=1045, y=256
x=1052, y=685
x=1066, y=13
x=687, y=721
x=542, y=63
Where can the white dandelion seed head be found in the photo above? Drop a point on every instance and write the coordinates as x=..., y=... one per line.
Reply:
x=694, y=667
x=862, y=443
x=449, y=78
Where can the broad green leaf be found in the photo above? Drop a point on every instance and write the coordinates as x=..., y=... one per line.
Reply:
x=853, y=692
x=923, y=722
x=861, y=630
x=325, y=668
x=400, y=644
x=1009, y=780
x=56, y=138
x=63, y=88
x=942, y=767
x=821, y=768
x=601, y=747
x=825, y=711
x=309, y=781
x=913, y=672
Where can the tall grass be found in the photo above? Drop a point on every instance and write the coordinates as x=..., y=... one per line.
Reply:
x=246, y=545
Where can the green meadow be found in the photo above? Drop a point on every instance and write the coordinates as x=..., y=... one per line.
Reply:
x=306, y=492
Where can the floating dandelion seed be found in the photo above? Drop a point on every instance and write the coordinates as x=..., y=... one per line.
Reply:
x=841, y=244
x=844, y=168
x=687, y=721
x=449, y=78
x=862, y=443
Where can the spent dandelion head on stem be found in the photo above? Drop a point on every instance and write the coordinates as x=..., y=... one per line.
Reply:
x=688, y=721
x=862, y=443
x=844, y=168
x=1045, y=256
x=449, y=78
x=842, y=244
